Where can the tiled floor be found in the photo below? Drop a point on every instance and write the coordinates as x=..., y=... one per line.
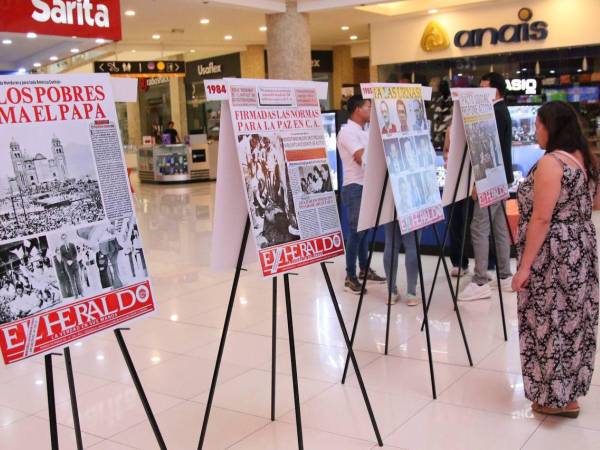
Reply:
x=477, y=408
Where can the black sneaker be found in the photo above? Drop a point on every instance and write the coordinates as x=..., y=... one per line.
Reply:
x=371, y=276
x=353, y=285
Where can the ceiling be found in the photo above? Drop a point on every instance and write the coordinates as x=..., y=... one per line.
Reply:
x=178, y=24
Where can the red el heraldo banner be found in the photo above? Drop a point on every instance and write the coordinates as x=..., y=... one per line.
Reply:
x=81, y=18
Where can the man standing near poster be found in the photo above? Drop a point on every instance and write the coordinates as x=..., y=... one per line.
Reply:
x=352, y=144
x=110, y=247
x=479, y=288
x=68, y=252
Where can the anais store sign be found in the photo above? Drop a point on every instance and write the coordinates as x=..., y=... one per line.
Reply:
x=81, y=18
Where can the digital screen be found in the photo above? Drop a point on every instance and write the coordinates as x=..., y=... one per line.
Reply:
x=583, y=94
x=525, y=150
x=198, y=156
x=331, y=145
x=555, y=95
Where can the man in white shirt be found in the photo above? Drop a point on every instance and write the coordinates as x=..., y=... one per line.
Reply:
x=352, y=143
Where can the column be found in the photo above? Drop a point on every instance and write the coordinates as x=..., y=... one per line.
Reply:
x=178, y=109
x=288, y=44
x=134, y=125
x=343, y=72
x=253, y=62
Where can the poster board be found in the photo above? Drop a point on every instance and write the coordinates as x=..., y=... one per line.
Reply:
x=399, y=140
x=474, y=109
x=272, y=131
x=71, y=258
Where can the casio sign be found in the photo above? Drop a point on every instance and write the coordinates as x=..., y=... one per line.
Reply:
x=529, y=85
x=209, y=69
x=72, y=12
x=523, y=32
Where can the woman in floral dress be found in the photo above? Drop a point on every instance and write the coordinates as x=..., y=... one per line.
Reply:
x=557, y=280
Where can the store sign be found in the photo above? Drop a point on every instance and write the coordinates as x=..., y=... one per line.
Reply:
x=226, y=66
x=528, y=86
x=434, y=38
x=81, y=18
x=523, y=32
x=322, y=61
x=141, y=68
x=210, y=69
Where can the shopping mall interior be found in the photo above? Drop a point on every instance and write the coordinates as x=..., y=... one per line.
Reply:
x=455, y=384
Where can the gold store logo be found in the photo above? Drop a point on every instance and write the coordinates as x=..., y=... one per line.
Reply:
x=434, y=38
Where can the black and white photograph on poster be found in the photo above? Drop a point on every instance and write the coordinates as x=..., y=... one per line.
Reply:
x=101, y=257
x=315, y=179
x=270, y=197
x=396, y=155
x=484, y=147
x=47, y=182
x=28, y=280
x=425, y=150
x=418, y=117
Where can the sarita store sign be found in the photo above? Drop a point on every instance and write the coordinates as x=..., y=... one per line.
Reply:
x=506, y=34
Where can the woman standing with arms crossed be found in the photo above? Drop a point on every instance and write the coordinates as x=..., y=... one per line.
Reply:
x=557, y=280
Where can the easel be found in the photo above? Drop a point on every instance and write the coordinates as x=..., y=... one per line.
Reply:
x=463, y=241
x=73, y=395
x=292, y=344
x=422, y=285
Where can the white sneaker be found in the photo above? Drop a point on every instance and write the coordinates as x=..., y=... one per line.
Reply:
x=412, y=299
x=505, y=284
x=455, y=270
x=395, y=298
x=475, y=292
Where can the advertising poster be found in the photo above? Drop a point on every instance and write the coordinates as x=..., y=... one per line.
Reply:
x=283, y=159
x=481, y=132
x=71, y=257
x=409, y=155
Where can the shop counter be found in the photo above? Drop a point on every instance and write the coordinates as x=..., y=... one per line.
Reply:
x=177, y=163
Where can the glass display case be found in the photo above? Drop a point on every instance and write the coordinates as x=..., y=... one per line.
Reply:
x=172, y=163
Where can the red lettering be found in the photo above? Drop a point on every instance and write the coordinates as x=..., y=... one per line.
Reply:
x=100, y=95
x=66, y=94
x=77, y=94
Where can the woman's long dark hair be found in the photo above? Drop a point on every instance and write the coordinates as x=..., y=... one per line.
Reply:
x=565, y=133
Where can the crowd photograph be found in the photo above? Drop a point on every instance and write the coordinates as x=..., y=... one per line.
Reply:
x=270, y=196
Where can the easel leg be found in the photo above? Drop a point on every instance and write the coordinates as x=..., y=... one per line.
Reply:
x=425, y=319
x=464, y=235
x=288, y=306
x=351, y=353
x=232, y=295
x=73, y=395
x=492, y=234
x=364, y=283
x=390, y=278
x=140, y=389
x=51, y=402
x=454, y=300
x=274, y=349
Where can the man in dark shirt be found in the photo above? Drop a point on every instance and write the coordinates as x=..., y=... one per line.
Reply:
x=479, y=288
x=172, y=132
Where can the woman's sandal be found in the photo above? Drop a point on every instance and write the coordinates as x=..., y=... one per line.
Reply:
x=571, y=413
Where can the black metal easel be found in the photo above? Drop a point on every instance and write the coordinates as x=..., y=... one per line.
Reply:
x=292, y=345
x=73, y=395
x=425, y=309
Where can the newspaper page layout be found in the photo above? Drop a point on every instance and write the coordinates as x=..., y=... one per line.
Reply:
x=283, y=159
x=71, y=257
x=484, y=146
x=409, y=155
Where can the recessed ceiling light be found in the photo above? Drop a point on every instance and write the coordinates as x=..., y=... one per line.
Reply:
x=31, y=35
x=156, y=37
x=579, y=70
x=353, y=37
x=460, y=74
x=192, y=51
x=552, y=71
x=133, y=51
x=6, y=41
x=22, y=70
x=130, y=13
x=433, y=11
x=37, y=64
x=74, y=50
x=100, y=41
x=204, y=21
x=54, y=58
x=524, y=69
x=345, y=28
x=518, y=71
x=263, y=28
x=228, y=37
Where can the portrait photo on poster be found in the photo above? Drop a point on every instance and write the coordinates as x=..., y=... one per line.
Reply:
x=270, y=199
x=47, y=182
x=94, y=259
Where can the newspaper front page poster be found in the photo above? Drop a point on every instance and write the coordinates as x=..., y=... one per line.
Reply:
x=283, y=160
x=483, y=142
x=71, y=257
x=409, y=155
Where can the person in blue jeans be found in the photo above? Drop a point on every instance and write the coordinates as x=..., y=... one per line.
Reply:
x=390, y=259
x=352, y=144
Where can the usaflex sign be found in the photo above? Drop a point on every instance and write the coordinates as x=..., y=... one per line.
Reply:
x=81, y=18
x=506, y=34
